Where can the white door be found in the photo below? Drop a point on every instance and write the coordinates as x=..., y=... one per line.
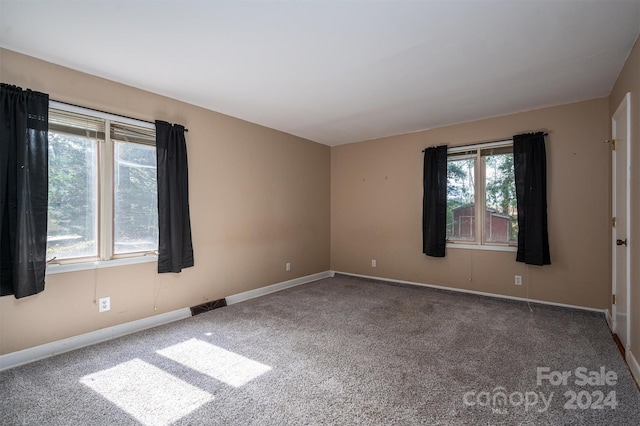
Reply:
x=620, y=127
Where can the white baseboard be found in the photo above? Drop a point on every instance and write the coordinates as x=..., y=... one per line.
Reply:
x=15, y=359
x=607, y=316
x=25, y=356
x=632, y=362
x=480, y=293
x=240, y=297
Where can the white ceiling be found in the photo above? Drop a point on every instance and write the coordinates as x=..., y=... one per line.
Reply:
x=338, y=71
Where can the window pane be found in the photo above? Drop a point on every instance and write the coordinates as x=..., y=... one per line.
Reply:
x=501, y=215
x=73, y=188
x=460, y=199
x=135, y=218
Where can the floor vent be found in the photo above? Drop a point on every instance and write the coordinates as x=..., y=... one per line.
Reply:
x=209, y=306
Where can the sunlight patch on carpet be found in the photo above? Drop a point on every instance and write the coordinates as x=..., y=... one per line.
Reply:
x=149, y=394
x=221, y=364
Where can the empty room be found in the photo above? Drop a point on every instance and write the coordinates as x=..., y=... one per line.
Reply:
x=319, y=212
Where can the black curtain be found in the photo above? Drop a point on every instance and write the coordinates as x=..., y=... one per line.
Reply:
x=434, y=208
x=175, y=249
x=24, y=156
x=530, y=168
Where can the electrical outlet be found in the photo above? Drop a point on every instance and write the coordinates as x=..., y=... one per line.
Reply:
x=104, y=304
x=518, y=279
x=373, y=263
x=287, y=267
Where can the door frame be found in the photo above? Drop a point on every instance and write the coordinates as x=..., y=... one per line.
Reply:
x=625, y=103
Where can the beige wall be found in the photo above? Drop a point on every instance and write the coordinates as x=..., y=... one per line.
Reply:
x=376, y=209
x=258, y=198
x=629, y=81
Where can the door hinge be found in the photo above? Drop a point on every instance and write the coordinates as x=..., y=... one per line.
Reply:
x=613, y=299
x=613, y=222
x=613, y=142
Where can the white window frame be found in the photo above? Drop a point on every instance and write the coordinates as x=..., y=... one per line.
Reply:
x=105, y=227
x=479, y=195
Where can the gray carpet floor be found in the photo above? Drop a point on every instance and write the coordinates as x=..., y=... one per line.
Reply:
x=340, y=351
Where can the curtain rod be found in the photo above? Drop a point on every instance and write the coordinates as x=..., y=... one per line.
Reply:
x=110, y=113
x=482, y=143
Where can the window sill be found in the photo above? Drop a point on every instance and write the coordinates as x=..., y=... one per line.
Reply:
x=482, y=247
x=84, y=266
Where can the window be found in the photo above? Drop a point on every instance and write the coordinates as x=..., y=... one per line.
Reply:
x=481, y=196
x=135, y=194
x=102, y=186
